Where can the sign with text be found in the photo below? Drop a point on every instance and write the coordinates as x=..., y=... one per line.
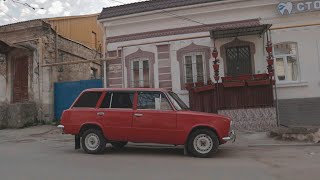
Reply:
x=287, y=8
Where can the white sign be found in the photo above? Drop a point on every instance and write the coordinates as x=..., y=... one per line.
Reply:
x=287, y=8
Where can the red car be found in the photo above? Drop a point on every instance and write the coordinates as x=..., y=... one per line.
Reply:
x=119, y=116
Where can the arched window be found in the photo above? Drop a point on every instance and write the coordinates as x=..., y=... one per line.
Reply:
x=287, y=62
x=140, y=69
x=194, y=64
x=140, y=73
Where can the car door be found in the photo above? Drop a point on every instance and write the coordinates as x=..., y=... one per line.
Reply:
x=115, y=113
x=154, y=120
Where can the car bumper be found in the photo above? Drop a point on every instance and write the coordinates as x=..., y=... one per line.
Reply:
x=61, y=127
x=232, y=137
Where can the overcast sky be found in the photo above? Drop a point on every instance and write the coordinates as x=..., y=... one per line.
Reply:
x=11, y=12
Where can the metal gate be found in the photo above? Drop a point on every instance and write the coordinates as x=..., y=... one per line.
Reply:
x=239, y=61
x=66, y=92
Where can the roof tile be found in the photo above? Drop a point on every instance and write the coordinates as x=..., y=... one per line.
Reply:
x=146, y=6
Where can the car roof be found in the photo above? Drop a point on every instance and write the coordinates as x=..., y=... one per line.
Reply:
x=127, y=89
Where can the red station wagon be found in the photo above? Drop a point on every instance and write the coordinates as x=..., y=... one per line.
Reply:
x=119, y=116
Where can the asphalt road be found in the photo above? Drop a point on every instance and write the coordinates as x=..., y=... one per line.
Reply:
x=41, y=153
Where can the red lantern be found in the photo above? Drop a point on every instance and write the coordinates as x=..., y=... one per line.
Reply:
x=270, y=62
x=215, y=53
x=216, y=67
x=216, y=78
x=269, y=49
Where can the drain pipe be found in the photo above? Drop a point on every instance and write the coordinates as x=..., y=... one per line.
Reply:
x=275, y=85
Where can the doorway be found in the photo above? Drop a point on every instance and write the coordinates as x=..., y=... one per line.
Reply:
x=20, y=79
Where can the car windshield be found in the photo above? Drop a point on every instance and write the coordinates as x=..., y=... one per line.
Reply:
x=177, y=102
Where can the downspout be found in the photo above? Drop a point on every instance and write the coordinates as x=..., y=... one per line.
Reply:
x=275, y=85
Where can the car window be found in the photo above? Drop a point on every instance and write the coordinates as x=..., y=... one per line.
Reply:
x=153, y=100
x=106, y=101
x=123, y=100
x=88, y=100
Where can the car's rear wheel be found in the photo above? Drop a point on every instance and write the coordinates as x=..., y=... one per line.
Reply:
x=93, y=141
x=118, y=145
x=203, y=143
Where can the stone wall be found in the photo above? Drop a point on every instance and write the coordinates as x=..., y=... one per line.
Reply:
x=43, y=46
x=21, y=115
x=73, y=51
x=3, y=71
x=24, y=31
x=3, y=115
x=17, y=115
x=256, y=119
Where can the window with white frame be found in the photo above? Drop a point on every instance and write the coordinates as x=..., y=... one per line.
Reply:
x=286, y=62
x=140, y=73
x=194, y=68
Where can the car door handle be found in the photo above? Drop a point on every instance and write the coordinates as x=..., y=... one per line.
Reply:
x=100, y=113
x=138, y=115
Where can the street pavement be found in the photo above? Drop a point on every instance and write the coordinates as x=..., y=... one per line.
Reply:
x=41, y=153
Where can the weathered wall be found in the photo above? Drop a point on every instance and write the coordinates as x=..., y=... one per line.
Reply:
x=3, y=115
x=40, y=43
x=24, y=31
x=21, y=115
x=73, y=51
x=3, y=69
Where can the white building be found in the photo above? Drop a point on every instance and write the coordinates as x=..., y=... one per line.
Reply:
x=168, y=43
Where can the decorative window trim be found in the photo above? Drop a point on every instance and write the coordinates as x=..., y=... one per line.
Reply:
x=192, y=54
x=193, y=48
x=139, y=54
x=236, y=43
x=140, y=60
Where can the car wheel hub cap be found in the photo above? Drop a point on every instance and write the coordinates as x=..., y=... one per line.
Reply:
x=203, y=143
x=92, y=142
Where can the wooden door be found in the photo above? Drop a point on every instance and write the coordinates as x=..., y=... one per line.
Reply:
x=20, y=79
x=239, y=61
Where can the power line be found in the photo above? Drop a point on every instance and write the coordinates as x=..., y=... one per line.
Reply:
x=15, y=19
x=24, y=4
x=169, y=13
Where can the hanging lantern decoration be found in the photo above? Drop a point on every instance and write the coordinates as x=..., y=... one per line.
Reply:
x=270, y=59
x=216, y=65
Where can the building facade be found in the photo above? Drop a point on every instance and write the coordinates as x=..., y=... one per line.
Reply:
x=26, y=87
x=84, y=29
x=169, y=44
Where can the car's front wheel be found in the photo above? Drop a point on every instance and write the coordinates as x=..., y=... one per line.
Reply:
x=93, y=141
x=203, y=143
